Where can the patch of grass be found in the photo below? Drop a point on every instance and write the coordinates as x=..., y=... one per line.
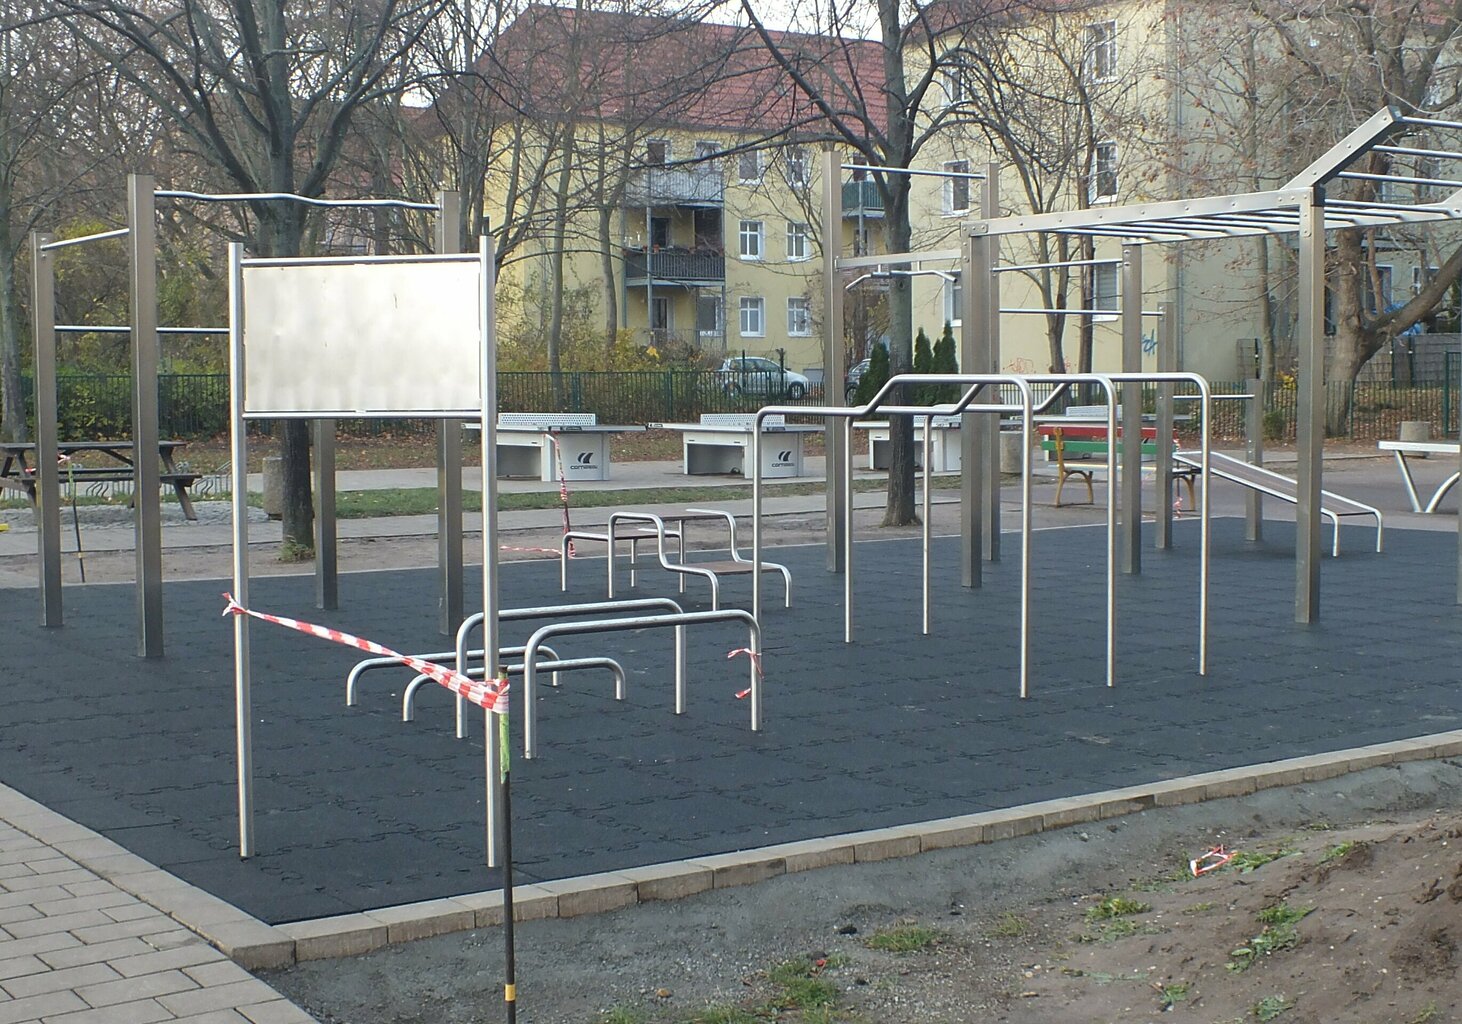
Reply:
x=1010, y=926
x=800, y=985
x=720, y=1014
x=1427, y=1014
x=1114, y=907
x=1200, y=908
x=904, y=939
x=1100, y=977
x=1337, y=851
x=1173, y=993
x=1279, y=934
x=1270, y=1007
x=1246, y=861
x=290, y=551
x=623, y=1015
x=1282, y=914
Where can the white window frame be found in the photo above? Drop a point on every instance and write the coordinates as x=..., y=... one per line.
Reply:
x=802, y=249
x=799, y=317
x=954, y=296
x=1101, y=49
x=752, y=306
x=1098, y=272
x=952, y=78
x=798, y=162
x=953, y=186
x=752, y=231
x=755, y=156
x=1097, y=171
x=705, y=149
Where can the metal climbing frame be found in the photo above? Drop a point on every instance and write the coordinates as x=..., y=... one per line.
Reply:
x=1301, y=207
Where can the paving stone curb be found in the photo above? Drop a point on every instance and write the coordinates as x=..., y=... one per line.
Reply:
x=254, y=944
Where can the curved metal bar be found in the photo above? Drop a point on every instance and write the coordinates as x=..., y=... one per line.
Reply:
x=554, y=663
x=249, y=197
x=352, y=681
x=530, y=682
x=62, y=243
x=474, y=621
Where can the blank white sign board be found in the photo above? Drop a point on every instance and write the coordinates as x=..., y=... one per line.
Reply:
x=362, y=339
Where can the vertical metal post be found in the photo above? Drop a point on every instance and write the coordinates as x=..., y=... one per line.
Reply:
x=980, y=287
x=1310, y=413
x=327, y=549
x=146, y=458
x=1166, y=349
x=1254, y=429
x=243, y=697
x=834, y=354
x=989, y=425
x=491, y=633
x=1131, y=493
x=48, y=478
x=449, y=458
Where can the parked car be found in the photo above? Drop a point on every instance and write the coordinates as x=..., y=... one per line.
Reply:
x=855, y=374
x=756, y=375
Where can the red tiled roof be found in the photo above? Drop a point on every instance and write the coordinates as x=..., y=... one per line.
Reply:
x=667, y=71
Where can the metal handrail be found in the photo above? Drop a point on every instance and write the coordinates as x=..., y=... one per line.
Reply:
x=555, y=664
x=352, y=679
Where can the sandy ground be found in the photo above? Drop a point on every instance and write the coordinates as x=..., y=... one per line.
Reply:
x=1006, y=932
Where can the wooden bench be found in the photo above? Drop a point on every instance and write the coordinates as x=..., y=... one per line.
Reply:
x=1421, y=449
x=17, y=474
x=532, y=445
x=944, y=450
x=1086, y=441
x=721, y=443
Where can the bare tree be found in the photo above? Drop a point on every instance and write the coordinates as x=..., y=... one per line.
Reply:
x=264, y=93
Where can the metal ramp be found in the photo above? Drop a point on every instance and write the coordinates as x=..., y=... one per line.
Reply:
x=1333, y=506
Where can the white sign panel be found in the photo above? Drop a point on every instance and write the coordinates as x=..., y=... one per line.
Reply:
x=362, y=339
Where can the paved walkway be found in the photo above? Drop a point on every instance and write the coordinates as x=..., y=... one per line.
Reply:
x=77, y=948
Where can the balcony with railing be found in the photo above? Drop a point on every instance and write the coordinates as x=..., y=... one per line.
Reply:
x=862, y=198
x=677, y=186
x=681, y=266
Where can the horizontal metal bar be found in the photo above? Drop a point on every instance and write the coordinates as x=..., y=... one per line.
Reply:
x=120, y=329
x=313, y=261
x=1053, y=266
x=974, y=175
x=1138, y=217
x=1075, y=312
x=1433, y=122
x=890, y=258
x=1199, y=398
x=1445, y=154
x=249, y=197
x=81, y=239
x=1400, y=179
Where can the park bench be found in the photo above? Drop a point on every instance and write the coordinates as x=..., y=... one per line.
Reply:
x=1079, y=438
x=722, y=443
x=16, y=472
x=1421, y=449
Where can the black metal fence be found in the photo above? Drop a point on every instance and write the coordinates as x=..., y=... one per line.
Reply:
x=194, y=405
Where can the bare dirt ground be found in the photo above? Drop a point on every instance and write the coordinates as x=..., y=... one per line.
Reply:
x=1341, y=907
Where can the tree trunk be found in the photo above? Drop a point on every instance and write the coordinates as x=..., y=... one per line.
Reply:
x=899, y=509
x=606, y=270
x=1352, y=344
x=555, y=263
x=13, y=425
x=1267, y=357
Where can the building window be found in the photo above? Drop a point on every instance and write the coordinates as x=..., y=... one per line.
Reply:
x=797, y=241
x=705, y=150
x=799, y=317
x=1104, y=171
x=954, y=300
x=753, y=317
x=956, y=189
x=748, y=167
x=954, y=85
x=1104, y=289
x=751, y=238
x=708, y=316
x=799, y=169
x=1421, y=278
x=1101, y=51
x=657, y=152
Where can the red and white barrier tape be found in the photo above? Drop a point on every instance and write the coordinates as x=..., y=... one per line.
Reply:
x=563, y=486
x=491, y=694
x=1210, y=861
x=755, y=664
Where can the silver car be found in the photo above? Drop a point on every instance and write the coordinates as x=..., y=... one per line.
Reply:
x=756, y=375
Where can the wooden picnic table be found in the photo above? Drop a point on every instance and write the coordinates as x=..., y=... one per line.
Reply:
x=18, y=474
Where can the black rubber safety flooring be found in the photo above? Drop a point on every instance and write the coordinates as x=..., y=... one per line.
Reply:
x=356, y=809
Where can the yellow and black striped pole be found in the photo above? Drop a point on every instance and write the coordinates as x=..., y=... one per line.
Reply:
x=510, y=974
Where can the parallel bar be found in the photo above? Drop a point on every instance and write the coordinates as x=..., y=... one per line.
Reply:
x=912, y=172
x=119, y=329
x=238, y=431
x=1254, y=428
x=1310, y=334
x=204, y=197
x=1400, y=178
x=1054, y=266
x=327, y=550
x=83, y=239
x=890, y=258
x=48, y=484
x=450, y=552
x=1131, y=499
x=1167, y=336
x=1444, y=154
x=834, y=359
x=1076, y=312
x=1432, y=121
x=146, y=468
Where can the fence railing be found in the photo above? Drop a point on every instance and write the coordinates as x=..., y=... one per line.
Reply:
x=193, y=405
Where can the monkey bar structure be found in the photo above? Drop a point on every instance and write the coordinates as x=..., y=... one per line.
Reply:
x=1301, y=207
